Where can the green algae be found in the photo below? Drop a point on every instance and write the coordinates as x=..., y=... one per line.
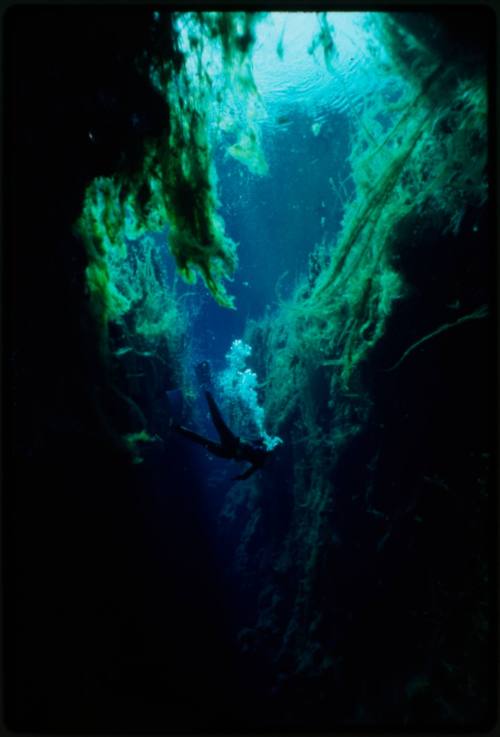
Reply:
x=125, y=277
x=428, y=162
x=212, y=93
x=169, y=202
x=344, y=314
x=203, y=83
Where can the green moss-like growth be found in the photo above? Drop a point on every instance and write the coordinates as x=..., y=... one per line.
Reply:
x=208, y=86
x=426, y=161
x=133, y=301
x=205, y=79
x=196, y=231
x=211, y=91
x=126, y=280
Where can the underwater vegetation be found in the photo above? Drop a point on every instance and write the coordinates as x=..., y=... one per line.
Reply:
x=176, y=187
x=418, y=160
x=173, y=193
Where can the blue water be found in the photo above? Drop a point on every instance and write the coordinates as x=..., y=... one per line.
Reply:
x=306, y=116
x=276, y=221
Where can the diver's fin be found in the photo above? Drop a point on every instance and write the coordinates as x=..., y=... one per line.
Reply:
x=197, y=438
x=194, y=436
x=227, y=437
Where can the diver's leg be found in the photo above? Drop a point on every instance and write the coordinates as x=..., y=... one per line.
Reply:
x=195, y=437
x=228, y=438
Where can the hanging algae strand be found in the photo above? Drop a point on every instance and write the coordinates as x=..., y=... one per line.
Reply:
x=126, y=279
x=238, y=105
x=182, y=175
x=478, y=314
x=176, y=186
x=212, y=52
x=196, y=235
x=130, y=290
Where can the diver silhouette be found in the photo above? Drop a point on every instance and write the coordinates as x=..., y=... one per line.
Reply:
x=230, y=446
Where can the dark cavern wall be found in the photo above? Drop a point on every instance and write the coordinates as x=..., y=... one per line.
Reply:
x=112, y=607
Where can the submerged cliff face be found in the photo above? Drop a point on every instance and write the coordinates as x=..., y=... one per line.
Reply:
x=352, y=580
x=364, y=545
x=367, y=552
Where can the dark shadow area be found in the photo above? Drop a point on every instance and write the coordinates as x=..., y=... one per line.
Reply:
x=114, y=614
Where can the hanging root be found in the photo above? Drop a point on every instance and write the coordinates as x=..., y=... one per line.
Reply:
x=476, y=315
